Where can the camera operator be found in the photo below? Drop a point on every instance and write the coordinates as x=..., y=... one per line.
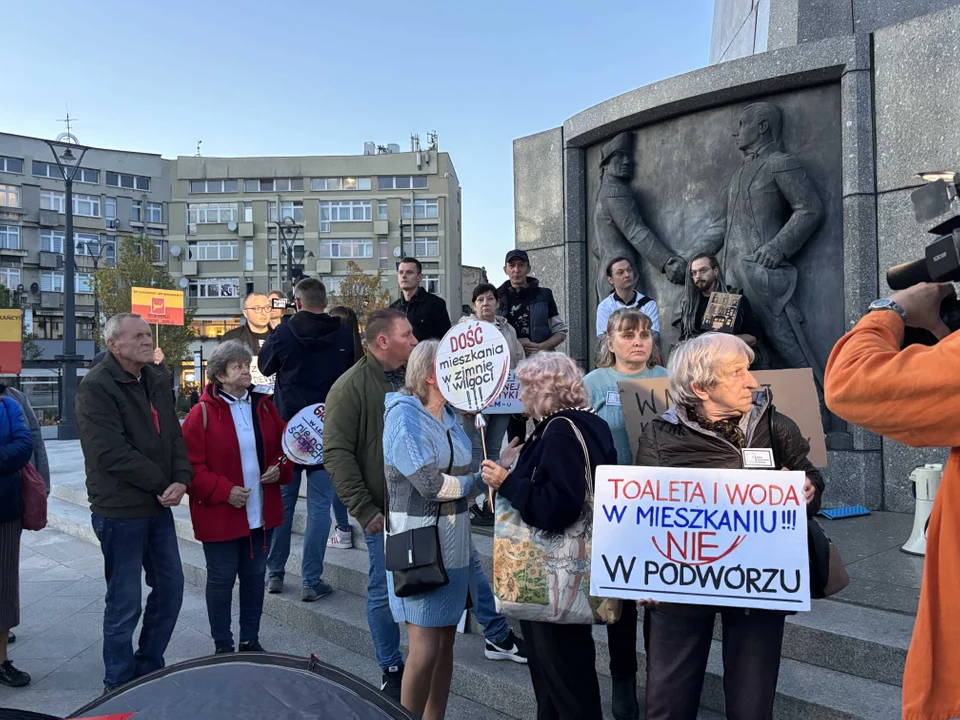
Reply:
x=913, y=396
x=308, y=354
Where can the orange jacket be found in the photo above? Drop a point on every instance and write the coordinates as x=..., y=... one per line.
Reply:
x=913, y=396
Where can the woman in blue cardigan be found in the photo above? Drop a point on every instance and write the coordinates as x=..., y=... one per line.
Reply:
x=427, y=465
x=16, y=447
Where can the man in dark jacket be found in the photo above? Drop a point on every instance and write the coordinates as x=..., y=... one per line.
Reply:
x=307, y=354
x=253, y=334
x=426, y=312
x=137, y=469
x=720, y=411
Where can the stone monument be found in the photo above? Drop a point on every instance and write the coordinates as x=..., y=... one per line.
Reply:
x=833, y=114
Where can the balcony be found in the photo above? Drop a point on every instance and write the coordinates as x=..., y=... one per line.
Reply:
x=49, y=218
x=51, y=300
x=50, y=260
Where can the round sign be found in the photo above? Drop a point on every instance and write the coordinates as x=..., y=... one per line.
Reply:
x=472, y=365
x=303, y=437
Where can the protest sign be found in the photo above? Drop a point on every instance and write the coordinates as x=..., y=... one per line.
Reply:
x=11, y=341
x=472, y=365
x=508, y=401
x=261, y=382
x=794, y=395
x=157, y=307
x=736, y=538
x=303, y=436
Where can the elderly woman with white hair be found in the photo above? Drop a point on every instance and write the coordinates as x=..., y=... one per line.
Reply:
x=720, y=410
x=233, y=437
x=427, y=466
x=548, y=488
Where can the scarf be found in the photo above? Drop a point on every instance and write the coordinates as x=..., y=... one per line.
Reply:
x=729, y=429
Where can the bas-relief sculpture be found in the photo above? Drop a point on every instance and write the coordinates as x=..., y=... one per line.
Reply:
x=772, y=209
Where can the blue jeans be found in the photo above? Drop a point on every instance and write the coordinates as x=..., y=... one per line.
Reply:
x=494, y=433
x=132, y=546
x=320, y=497
x=386, y=632
x=245, y=558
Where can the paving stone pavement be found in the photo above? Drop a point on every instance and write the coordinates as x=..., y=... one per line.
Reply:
x=59, y=640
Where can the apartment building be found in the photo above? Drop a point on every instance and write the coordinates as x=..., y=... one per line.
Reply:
x=371, y=209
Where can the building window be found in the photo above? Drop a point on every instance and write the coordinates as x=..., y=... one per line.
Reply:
x=86, y=244
x=248, y=256
x=274, y=185
x=212, y=329
x=343, y=211
x=381, y=209
x=131, y=182
x=10, y=195
x=426, y=228
x=86, y=205
x=52, y=200
x=287, y=210
x=426, y=247
x=136, y=211
x=346, y=248
x=211, y=213
x=298, y=250
x=49, y=170
x=110, y=208
x=402, y=182
x=154, y=212
x=10, y=237
x=213, y=186
x=11, y=165
x=248, y=212
x=214, y=250
x=347, y=183
x=51, y=241
x=51, y=281
x=10, y=277
x=382, y=254
x=431, y=283
x=215, y=288
x=332, y=283
x=421, y=209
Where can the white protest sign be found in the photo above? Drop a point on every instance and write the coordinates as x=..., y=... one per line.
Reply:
x=472, y=365
x=261, y=382
x=736, y=538
x=508, y=401
x=303, y=437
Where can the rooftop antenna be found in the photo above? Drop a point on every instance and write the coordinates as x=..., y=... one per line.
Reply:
x=198, y=148
x=68, y=120
x=414, y=143
x=433, y=141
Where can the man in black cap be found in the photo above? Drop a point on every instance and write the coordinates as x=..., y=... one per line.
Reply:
x=621, y=231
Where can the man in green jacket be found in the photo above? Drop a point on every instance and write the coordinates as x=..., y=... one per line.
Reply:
x=137, y=469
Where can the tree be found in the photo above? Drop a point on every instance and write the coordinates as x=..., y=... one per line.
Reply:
x=29, y=350
x=135, y=268
x=361, y=292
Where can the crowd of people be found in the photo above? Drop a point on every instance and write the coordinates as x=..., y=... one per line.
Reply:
x=397, y=458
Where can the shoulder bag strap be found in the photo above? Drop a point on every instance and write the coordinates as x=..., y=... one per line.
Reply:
x=588, y=473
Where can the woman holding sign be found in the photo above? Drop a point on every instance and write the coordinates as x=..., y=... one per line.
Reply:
x=719, y=413
x=427, y=466
x=626, y=353
x=233, y=437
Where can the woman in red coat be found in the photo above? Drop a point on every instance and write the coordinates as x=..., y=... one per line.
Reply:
x=233, y=439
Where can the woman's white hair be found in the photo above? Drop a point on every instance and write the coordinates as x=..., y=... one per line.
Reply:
x=700, y=361
x=420, y=366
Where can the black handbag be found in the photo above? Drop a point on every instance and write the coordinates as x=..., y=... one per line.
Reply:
x=414, y=556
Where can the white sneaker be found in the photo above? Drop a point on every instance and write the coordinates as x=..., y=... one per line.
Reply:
x=342, y=539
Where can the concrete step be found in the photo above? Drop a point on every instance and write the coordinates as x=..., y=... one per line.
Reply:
x=805, y=691
x=866, y=642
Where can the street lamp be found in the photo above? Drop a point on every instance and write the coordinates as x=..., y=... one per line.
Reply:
x=96, y=298
x=68, y=153
x=288, y=229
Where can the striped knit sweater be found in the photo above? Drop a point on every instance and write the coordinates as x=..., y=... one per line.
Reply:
x=421, y=476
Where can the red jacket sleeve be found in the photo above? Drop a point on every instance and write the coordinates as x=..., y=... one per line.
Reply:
x=207, y=486
x=276, y=422
x=907, y=395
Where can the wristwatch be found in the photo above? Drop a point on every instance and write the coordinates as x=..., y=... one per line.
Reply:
x=888, y=304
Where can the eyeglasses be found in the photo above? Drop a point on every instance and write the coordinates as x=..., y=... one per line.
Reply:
x=260, y=308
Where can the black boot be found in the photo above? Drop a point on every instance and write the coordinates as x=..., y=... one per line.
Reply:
x=12, y=677
x=625, y=705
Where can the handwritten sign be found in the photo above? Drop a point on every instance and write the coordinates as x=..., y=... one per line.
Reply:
x=303, y=437
x=472, y=365
x=261, y=382
x=508, y=401
x=794, y=395
x=736, y=538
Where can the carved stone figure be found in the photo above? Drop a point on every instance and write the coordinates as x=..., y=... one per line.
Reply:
x=772, y=210
x=620, y=228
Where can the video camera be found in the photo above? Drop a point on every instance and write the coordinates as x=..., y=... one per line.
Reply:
x=282, y=304
x=937, y=202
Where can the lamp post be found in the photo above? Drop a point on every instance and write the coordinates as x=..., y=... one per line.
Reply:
x=96, y=298
x=65, y=151
x=288, y=230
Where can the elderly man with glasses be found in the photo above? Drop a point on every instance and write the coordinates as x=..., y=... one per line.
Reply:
x=256, y=310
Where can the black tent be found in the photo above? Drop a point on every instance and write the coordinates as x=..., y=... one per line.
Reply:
x=247, y=686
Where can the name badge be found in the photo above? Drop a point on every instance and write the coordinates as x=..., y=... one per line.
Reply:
x=758, y=458
x=613, y=398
